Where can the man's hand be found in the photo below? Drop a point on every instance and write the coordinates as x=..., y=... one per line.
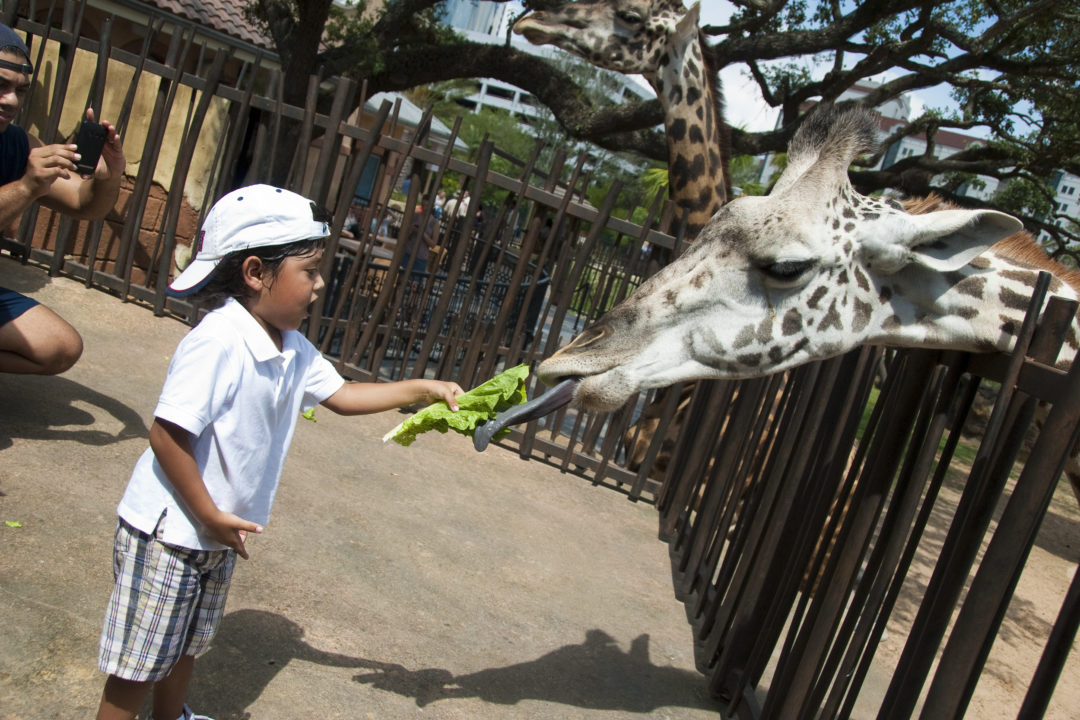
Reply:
x=46, y=165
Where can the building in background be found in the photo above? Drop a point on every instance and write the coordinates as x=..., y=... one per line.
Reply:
x=898, y=112
x=482, y=21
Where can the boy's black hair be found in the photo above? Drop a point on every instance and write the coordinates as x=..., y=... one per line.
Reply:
x=227, y=280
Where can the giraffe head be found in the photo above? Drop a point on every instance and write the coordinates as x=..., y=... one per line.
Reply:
x=627, y=36
x=807, y=272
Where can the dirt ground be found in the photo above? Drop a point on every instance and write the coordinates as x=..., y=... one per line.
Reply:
x=430, y=581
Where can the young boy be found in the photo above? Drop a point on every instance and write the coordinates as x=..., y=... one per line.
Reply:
x=235, y=388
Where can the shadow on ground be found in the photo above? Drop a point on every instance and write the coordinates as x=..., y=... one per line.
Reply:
x=63, y=410
x=594, y=674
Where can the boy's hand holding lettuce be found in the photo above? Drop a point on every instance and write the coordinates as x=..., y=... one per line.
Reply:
x=476, y=406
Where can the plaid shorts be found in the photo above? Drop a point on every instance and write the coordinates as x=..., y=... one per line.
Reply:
x=167, y=601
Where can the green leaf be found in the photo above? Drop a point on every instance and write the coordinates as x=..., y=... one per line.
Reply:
x=481, y=403
x=13, y=524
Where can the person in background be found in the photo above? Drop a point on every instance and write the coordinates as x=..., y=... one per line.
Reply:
x=33, y=338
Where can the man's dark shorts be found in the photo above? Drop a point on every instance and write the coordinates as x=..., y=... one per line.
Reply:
x=13, y=304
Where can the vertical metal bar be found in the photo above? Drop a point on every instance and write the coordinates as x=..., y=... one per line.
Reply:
x=961, y=545
x=179, y=178
x=1055, y=654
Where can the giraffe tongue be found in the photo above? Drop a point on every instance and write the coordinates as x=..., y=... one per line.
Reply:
x=549, y=402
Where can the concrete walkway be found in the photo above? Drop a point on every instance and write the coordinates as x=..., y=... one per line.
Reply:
x=430, y=581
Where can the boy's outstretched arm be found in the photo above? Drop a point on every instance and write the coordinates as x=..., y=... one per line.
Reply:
x=361, y=398
x=172, y=447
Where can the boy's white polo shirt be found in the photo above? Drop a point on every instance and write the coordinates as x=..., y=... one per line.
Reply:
x=240, y=399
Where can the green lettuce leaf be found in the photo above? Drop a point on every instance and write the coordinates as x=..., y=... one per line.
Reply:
x=481, y=403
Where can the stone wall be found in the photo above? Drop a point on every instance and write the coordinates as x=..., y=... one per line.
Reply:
x=149, y=241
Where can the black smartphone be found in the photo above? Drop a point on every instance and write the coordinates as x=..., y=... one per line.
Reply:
x=91, y=139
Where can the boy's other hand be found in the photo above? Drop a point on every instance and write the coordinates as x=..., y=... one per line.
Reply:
x=232, y=530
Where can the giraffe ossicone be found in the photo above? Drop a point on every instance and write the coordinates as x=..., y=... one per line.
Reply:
x=811, y=271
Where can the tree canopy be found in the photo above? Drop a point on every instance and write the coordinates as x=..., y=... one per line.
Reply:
x=1011, y=66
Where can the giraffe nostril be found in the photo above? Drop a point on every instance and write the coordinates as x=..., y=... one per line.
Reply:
x=589, y=336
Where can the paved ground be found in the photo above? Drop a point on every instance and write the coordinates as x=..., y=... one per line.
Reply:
x=431, y=581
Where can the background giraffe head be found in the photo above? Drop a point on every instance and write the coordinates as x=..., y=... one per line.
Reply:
x=807, y=272
x=661, y=41
x=627, y=36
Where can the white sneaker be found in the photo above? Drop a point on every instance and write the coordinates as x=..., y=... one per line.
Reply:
x=188, y=715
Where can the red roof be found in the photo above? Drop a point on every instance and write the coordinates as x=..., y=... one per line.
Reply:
x=225, y=17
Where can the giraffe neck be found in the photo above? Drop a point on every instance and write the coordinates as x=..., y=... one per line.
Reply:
x=696, y=134
x=979, y=308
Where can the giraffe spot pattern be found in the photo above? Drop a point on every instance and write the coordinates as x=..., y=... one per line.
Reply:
x=744, y=338
x=966, y=312
x=973, y=286
x=750, y=360
x=677, y=130
x=1024, y=277
x=863, y=312
x=778, y=354
x=1071, y=339
x=764, y=331
x=832, y=319
x=792, y=323
x=861, y=279
x=1008, y=325
x=816, y=297
x=1013, y=300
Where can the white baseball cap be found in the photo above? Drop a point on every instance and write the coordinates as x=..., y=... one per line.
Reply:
x=250, y=217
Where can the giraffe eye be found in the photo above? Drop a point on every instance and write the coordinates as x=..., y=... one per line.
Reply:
x=629, y=17
x=786, y=273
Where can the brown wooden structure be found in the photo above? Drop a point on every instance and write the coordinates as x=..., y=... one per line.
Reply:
x=793, y=505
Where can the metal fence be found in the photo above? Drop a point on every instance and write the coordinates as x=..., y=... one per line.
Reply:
x=793, y=505
x=796, y=516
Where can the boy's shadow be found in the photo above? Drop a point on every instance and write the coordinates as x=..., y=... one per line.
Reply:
x=48, y=408
x=253, y=645
x=595, y=674
x=250, y=648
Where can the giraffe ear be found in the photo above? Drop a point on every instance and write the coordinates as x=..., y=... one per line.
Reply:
x=964, y=235
x=945, y=240
x=688, y=24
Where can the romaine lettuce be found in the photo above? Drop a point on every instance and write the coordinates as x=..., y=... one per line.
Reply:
x=481, y=403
